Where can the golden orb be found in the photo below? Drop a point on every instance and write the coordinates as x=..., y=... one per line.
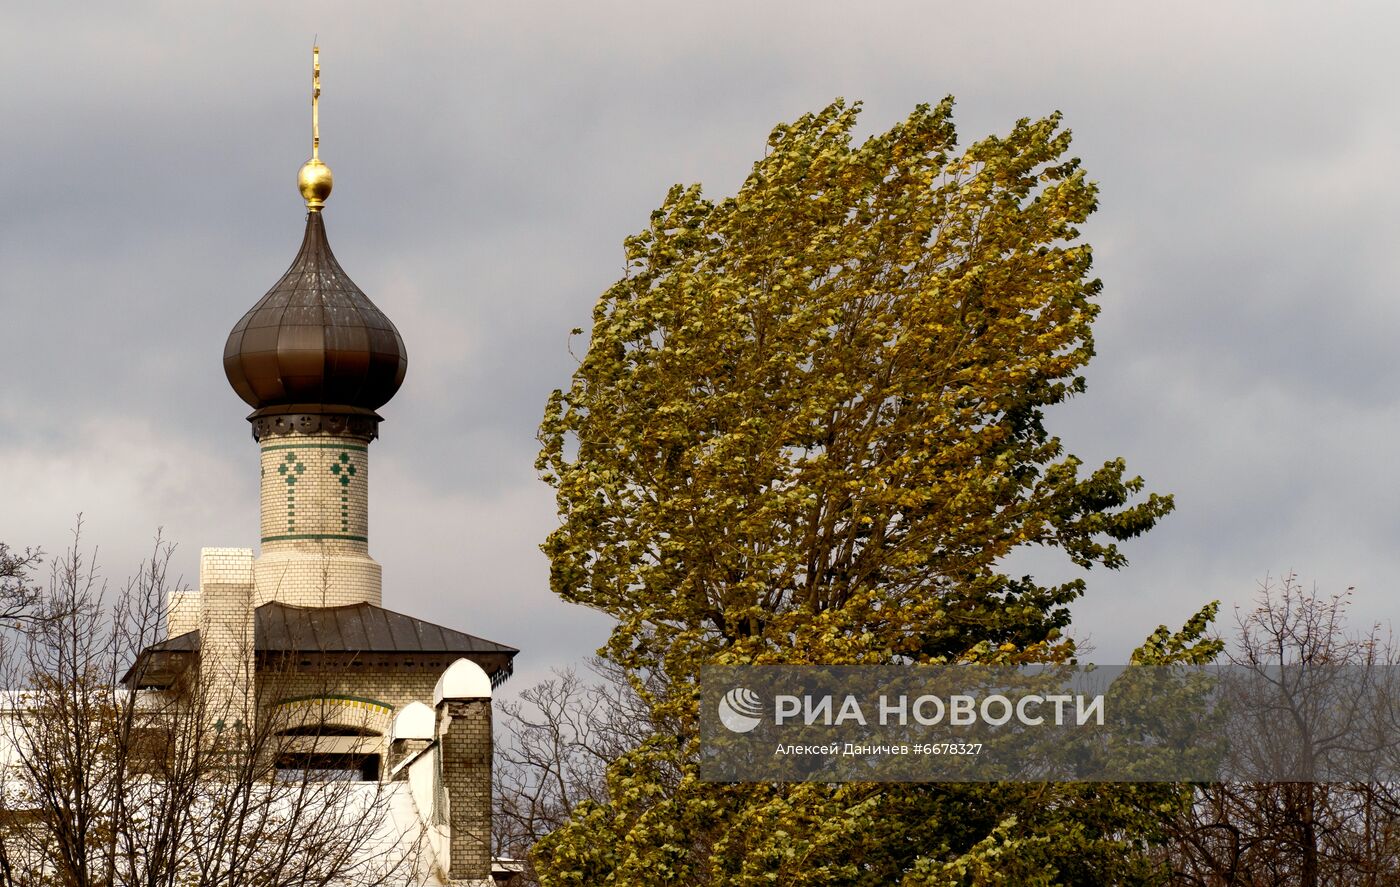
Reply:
x=315, y=182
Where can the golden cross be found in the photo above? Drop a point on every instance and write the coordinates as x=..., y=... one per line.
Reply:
x=315, y=102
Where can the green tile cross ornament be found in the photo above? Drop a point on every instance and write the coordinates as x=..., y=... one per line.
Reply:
x=344, y=470
x=290, y=469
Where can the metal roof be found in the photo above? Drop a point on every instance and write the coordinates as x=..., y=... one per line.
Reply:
x=315, y=338
x=360, y=628
x=354, y=628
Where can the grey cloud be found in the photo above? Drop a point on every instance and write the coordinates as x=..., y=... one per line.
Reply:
x=489, y=162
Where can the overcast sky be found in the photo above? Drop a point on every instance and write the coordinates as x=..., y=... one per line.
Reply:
x=489, y=160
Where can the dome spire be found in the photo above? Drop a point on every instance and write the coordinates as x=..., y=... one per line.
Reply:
x=315, y=177
x=315, y=354
x=315, y=102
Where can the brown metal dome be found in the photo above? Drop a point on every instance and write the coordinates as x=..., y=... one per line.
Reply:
x=314, y=346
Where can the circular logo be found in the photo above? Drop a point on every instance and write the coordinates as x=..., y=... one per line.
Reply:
x=740, y=710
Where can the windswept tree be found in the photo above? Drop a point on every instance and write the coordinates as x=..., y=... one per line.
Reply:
x=810, y=426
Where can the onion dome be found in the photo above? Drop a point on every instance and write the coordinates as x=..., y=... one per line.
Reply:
x=315, y=344
x=315, y=353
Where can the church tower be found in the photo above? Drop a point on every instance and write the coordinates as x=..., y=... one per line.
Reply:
x=295, y=645
x=315, y=359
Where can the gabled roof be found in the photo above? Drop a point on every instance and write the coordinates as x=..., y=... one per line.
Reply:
x=355, y=629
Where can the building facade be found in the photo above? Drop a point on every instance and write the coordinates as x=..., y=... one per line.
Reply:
x=295, y=636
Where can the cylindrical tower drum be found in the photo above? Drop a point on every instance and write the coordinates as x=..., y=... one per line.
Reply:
x=315, y=522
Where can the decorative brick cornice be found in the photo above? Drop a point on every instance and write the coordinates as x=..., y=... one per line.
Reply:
x=358, y=425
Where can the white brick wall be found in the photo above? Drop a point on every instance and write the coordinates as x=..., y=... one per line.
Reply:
x=316, y=575
x=315, y=523
x=226, y=633
x=314, y=486
x=182, y=613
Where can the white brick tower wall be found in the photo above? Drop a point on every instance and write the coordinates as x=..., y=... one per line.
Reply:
x=183, y=612
x=226, y=635
x=315, y=522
